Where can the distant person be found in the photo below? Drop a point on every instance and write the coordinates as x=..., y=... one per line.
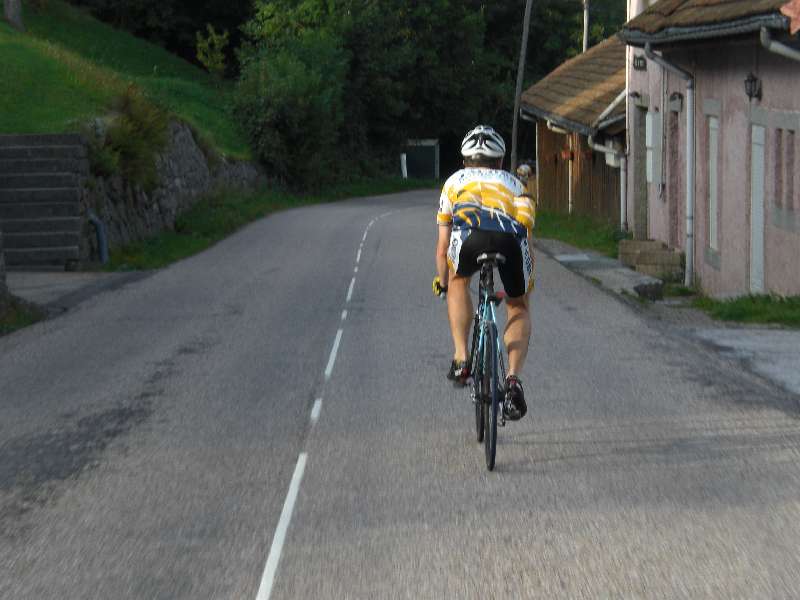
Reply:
x=485, y=209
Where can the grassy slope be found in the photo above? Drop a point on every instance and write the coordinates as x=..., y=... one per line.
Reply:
x=71, y=66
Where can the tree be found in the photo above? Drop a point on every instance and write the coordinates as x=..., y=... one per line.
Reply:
x=174, y=24
x=13, y=13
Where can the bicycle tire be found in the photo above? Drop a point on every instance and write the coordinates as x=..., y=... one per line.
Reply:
x=477, y=390
x=491, y=395
x=479, y=403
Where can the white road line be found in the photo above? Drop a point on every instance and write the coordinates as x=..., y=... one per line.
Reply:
x=358, y=256
x=315, y=410
x=334, y=351
x=271, y=568
x=363, y=239
x=350, y=290
x=344, y=315
x=355, y=270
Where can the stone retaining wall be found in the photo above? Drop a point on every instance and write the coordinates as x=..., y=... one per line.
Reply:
x=130, y=214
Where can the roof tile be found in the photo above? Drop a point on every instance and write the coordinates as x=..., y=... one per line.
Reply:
x=694, y=13
x=580, y=89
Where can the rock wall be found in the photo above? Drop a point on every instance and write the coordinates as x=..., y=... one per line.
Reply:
x=185, y=173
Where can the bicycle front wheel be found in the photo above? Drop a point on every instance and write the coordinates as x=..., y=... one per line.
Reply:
x=491, y=395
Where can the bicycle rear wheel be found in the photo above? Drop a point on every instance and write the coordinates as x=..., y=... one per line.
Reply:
x=477, y=381
x=479, y=406
x=491, y=395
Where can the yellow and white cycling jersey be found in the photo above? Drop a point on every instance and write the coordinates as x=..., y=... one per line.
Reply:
x=486, y=199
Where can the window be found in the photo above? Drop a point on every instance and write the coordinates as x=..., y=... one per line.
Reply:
x=778, y=164
x=785, y=158
x=713, y=182
x=791, y=202
x=649, y=143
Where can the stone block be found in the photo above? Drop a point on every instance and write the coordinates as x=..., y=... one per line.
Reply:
x=652, y=290
x=629, y=250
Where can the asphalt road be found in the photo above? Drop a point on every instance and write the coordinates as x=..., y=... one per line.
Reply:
x=164, y=440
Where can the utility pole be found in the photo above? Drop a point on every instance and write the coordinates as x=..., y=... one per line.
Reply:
x=585, y=25
x=520, y=78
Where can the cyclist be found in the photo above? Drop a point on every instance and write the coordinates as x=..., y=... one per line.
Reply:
x=485, y=209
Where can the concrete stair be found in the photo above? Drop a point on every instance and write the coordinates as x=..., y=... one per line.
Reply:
x=653, y=258
x=40, y=199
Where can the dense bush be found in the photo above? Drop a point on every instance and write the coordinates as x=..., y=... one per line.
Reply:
x=138, y=134
x=290, y=104
x=135, y=135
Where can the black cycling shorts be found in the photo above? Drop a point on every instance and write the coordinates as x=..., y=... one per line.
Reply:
x=516, y=273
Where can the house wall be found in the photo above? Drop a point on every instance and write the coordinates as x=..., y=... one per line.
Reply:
x=720, y=70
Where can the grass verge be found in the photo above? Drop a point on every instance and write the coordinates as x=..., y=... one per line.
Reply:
x=582, y=232
x=768, y=309
x=678, y=290
x=221, y=214
x=19, y=315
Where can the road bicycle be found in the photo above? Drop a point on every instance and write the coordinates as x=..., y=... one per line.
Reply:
x=487, y=365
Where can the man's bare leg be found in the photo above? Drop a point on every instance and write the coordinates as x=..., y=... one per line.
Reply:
x=459, y=311
x=518, y=332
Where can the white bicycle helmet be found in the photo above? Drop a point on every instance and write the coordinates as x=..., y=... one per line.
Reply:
x=483, y=141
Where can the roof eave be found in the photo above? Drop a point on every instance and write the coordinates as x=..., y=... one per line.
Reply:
x=635, y=37
x=562, y=122
x=608, y=122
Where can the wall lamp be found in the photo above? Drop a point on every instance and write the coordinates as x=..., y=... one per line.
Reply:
x=752, y=87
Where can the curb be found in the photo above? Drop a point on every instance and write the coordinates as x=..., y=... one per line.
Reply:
x=608, y=273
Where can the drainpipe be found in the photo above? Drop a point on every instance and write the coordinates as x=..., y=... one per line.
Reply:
x=621, y=156
x=102, y=237
x=690, y=156
x=776, y=47
x=623, y=192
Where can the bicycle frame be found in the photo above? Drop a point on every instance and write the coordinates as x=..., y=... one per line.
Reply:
x=487, y=316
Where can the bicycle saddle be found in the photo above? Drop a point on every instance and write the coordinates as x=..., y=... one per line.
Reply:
x=494, y=258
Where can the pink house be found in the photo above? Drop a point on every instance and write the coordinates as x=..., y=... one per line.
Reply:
x=714, y=139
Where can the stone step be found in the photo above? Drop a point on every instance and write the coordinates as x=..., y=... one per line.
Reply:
x=60, y=239
x=15, y=166
x=640, y=245
x=44, y=225
x=37, y=181
x=57, y=256
x=662, y=257
x=42, y=152
x=34, y=195
x=39, y=210
x=59, y=139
